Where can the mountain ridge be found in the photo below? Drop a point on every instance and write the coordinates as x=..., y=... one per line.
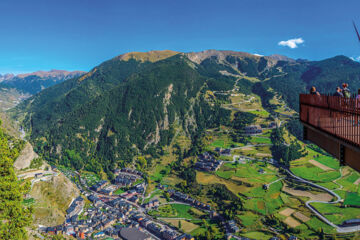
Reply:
x=34, y=82
x=128, y=105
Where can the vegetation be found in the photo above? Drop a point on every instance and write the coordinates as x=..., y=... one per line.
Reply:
x=132, y=110
x=36, y=163
x=14, y=216
x=282, y=152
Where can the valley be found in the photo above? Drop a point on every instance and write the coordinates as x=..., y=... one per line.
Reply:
x=181, y=146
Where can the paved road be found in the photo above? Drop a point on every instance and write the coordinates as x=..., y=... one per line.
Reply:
x=339, y=229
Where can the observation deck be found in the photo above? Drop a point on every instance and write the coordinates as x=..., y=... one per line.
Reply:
x=333, y=123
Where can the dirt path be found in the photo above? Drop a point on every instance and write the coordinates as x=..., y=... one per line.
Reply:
x=25, y=157
x=320, y=165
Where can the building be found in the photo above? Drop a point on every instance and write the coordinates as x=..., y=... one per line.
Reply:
x=169, y=234
x=75, y=207
x=272, y=125
x=99, y=185
x=185, y=237
x=37, y=175
x=253, y=129
x=231, y=225
x=207, y=162
x=133, y=234
x=351, y=222
x=99, y=235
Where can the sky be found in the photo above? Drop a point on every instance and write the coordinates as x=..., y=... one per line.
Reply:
x=81, y=34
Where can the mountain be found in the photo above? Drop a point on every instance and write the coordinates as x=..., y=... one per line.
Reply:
x=137, y=102
x=6, y=77
x=33, y=83
x=297, y=77
x=118, y=109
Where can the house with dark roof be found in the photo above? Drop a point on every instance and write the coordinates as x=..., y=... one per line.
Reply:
x=252, y=129
x=169, y=234
x=185, y=237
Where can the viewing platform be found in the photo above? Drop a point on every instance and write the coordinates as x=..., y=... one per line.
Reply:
x=333, y=123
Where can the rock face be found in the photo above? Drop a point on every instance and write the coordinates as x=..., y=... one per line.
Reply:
x=25, y=157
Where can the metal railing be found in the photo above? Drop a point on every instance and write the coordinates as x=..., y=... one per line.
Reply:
x=337, y=116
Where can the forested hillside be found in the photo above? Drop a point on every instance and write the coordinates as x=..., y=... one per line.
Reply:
x=135, y=103
x=326, y=75
x=14, y=217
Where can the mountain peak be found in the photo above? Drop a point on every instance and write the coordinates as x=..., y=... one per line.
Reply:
x=279, y=57
x=51, y=73
x=198, y=57
x=151, y=56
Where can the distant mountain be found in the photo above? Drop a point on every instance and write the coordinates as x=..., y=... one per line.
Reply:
x=281, y=58
x=33, y=83
x=6, y=77
x=135, y=103
x=297, y=77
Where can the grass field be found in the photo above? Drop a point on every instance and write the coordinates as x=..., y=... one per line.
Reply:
x=119, y=191
x=260, y=140
x=263, y=114
x=265, y=202
x=175, y=211
x=248, y=219
x=257, y=235
x=310, y=172
x=352, y=199
x=207, y=179
x=247, y=172
x=90, y=178
x=335, y=213
x=348, y=182
x=29, y=201
x=254, y=151
x=186, y=226
x=223, y=142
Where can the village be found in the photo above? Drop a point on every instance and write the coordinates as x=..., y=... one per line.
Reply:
x=99, y=213
x=122, y=216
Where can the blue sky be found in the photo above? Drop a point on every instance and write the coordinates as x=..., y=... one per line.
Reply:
x=80, y=34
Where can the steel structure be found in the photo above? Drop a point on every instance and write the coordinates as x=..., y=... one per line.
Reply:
x=333, y=123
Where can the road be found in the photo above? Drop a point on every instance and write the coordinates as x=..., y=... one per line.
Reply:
x=339, y=229
x=279, y=179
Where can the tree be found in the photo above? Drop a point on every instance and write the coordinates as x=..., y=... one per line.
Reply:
x=167, y=196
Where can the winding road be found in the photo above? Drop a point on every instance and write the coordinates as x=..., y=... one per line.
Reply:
x=339, y=229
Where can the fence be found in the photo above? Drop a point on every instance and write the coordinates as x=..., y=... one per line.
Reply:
x=337, y=116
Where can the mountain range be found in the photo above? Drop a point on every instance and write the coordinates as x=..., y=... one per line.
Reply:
x=33, y=83
x=137, y=102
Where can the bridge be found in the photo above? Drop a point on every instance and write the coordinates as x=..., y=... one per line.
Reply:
x=333, y=123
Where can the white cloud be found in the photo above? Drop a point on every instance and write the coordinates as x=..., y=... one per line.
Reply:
x=356, y=59
x=291, y=43
x=259, y=55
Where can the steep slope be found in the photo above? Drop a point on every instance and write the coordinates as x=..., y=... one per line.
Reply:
x=326, y=75
x=117, y=110
x=14, y=217
x=33, y=83
x=136, y=102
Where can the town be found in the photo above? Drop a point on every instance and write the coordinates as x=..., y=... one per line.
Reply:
x=123, y=216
